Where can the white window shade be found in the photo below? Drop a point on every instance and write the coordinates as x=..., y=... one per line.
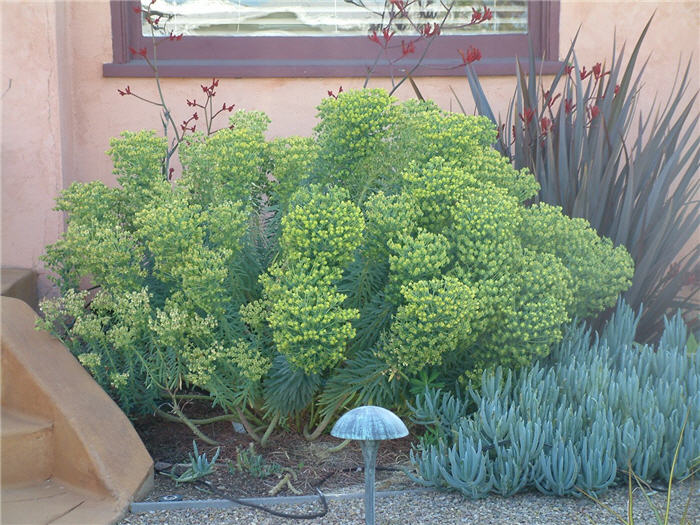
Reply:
x=327, y=17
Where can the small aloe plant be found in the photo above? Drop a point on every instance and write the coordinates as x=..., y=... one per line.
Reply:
x=248, y=460
x=199, y=466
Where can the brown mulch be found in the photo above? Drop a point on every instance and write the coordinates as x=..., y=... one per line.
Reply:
x=309, y=462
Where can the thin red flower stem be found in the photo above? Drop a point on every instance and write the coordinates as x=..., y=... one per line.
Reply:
x=425, y=51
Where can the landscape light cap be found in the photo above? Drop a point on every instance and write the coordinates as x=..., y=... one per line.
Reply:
x=369, y=423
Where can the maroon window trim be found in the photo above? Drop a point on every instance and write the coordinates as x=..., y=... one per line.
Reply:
x=335, y=56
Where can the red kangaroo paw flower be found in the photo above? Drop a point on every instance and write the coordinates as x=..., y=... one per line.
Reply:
x=527, y=115
x=473, y=54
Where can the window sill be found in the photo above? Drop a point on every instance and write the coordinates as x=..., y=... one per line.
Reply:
x=311, y=68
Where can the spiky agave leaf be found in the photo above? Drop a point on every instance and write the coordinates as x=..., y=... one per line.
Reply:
x=641, y=194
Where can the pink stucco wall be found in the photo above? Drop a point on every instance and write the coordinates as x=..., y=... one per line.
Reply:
x=31, y=132
x=59, y=113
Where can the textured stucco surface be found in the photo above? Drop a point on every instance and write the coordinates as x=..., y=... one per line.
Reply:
x=31, y=139
x=59, y=114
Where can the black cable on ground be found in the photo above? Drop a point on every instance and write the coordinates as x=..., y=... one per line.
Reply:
x=321, y=496
x=319, y=514
x=223, y=495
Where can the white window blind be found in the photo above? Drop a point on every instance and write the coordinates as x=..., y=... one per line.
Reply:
x=326, y=17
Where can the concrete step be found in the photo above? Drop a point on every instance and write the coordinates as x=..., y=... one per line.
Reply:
x=26, y=448
x=84, y=465
x=55, y=502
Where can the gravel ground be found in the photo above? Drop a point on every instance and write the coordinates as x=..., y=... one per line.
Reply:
x=432, y=508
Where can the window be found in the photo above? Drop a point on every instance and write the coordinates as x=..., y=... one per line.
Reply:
x=323, y=38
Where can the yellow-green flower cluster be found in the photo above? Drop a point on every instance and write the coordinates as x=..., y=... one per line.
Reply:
x=599, y=270
x=425, y=131
x=225, y=166
x=98, y=242
x=436, y=187
x=395, y=233
x=90, y=329
x=387, y=217
x=202, y=277
x=320, y=234
x=106, y=336
x=201, y=362
x=293, y=159
x=90, y=201
x=251, y=363
x=101, y=250
x=524, y=315
x=255, y=121
x=139, y=164
x=175, y=327
x=446, y=181
x=226, y=224
x=415, y=258
x=170, y=228
x=491, y=166
x=122, y=338
x=118, y=380
x=306, y=314
x=132, y=309
x=117, y=322
x=323, y=230
x=483, y=231
x=138, y=157
x=191, y=247
x=434, y=320
x=91, y=361
x=168, y=260
x=254, y=314
x=354, y=137
x=61, y=310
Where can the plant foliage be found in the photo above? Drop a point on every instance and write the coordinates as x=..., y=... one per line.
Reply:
x=199, y=466
x=248, y=460
x=631, y=176
x=271, y=273
x=573, y=421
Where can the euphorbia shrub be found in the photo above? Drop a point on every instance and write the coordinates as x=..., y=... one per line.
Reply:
x=286, y=276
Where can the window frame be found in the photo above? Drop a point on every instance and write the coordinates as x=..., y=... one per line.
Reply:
x=322, y=56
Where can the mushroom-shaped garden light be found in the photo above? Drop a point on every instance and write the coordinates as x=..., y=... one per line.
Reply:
x=369, y=425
